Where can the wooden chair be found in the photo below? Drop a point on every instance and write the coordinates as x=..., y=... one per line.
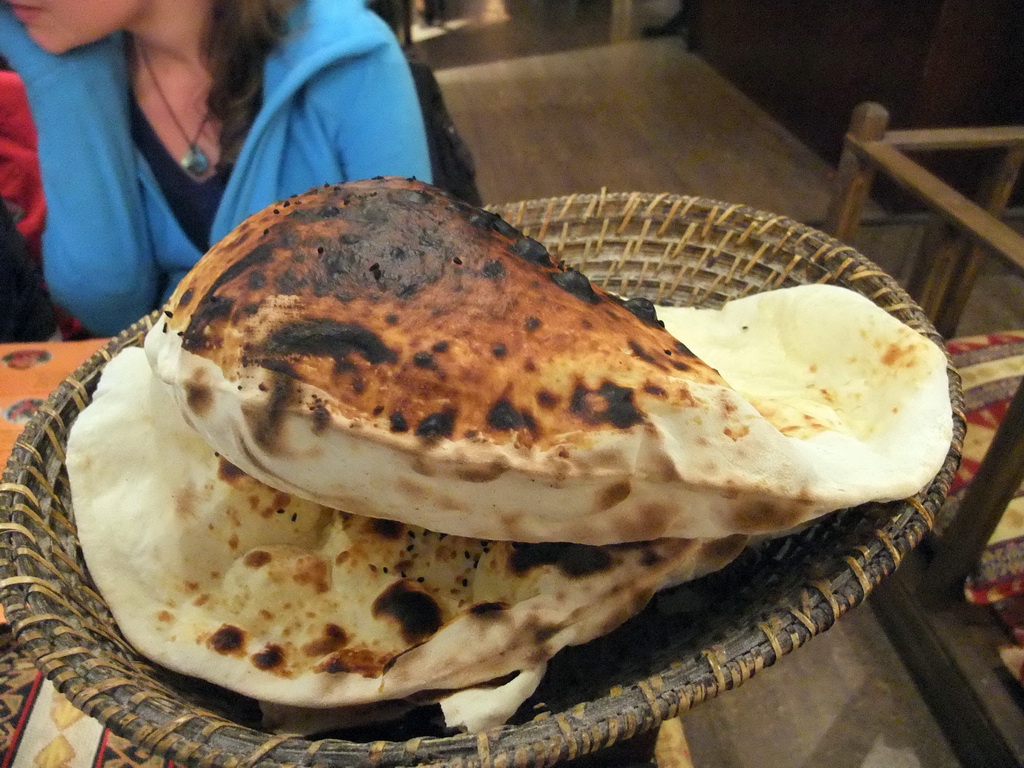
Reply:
x=947, y=644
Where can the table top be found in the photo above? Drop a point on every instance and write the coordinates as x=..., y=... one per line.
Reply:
x=29, y=372
x=43, y=719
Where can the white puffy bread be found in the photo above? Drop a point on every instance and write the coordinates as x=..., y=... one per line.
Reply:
x=214, y=574
x=382, y=348
x=859, y=395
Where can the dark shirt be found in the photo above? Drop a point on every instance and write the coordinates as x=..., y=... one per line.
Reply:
x=26, y=313
x=193, y=202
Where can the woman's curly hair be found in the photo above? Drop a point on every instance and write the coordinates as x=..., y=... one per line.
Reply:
x=242, y=35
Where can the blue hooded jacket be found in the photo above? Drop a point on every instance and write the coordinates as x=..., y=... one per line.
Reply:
x=338, y=104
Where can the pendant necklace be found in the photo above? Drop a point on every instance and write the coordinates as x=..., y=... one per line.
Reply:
x=194, y=162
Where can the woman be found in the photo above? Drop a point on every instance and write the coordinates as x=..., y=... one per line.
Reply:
x=164, y=123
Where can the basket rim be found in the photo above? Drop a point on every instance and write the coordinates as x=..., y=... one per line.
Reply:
x=598, y=723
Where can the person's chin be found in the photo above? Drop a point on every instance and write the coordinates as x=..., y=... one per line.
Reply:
x=52, y=43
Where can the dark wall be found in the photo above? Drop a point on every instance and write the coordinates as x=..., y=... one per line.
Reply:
x=930, y=62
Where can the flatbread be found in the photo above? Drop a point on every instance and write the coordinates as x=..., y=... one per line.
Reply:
x=860, y=395
x=383, y=348
x=214, y=574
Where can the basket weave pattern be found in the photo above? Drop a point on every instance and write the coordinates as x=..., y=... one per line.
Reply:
x=670, y=248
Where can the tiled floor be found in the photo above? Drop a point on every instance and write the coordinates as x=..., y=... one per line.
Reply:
x=563, y=96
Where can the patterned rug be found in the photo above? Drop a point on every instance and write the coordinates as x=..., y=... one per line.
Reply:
x=40, y=728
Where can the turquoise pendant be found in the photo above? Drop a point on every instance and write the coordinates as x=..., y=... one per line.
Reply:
x=195, y=161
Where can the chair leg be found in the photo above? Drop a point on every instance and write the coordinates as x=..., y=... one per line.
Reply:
x=854, y=176
x=936, y=280
x=944, y=277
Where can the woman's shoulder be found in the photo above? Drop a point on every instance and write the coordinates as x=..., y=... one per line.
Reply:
x=322, y=35
x=338, y=26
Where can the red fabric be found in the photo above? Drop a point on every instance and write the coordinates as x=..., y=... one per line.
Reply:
x=21, y=185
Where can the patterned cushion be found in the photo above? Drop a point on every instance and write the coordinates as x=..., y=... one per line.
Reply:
x=992, y=367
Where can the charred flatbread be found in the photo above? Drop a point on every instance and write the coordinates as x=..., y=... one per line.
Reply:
x=382, y=348
x=217, y=575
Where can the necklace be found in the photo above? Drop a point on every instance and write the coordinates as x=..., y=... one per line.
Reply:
x=194, y=161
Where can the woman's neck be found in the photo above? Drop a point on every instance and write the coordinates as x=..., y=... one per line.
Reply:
x=173, y=33
x=170, y=74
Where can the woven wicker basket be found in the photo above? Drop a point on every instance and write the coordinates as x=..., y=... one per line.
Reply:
x=689, y=645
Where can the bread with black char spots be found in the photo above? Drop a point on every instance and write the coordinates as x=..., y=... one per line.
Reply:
x=214, y=574
x=383, y=348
